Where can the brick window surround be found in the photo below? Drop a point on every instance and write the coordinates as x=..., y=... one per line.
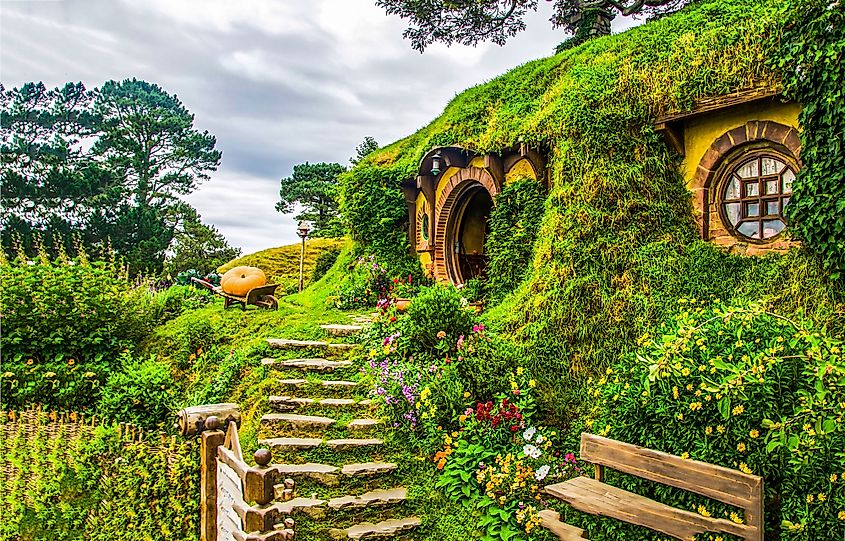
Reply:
x=727, y=152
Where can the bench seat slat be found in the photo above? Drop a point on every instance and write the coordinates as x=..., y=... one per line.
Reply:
x=719, y=483
x=597, y=498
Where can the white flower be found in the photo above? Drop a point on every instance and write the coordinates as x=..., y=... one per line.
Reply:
x=540, y=439
x=529, y=433
x=541, y=472
x=531, y=451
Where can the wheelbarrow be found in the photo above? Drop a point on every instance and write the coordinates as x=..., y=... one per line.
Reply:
x=261, y=296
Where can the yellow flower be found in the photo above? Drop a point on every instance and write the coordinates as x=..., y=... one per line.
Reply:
x=532, y=383
x=695, y=406
x=685, y=372
x=810, y=498
x=740, y=447
x=519, y=371
x=735, y=517
x=675, y=392
x=680, y=416
x=466, y=394
x=743, y=467
x=720, y=429
x=703, y=511
x=754, y=433
x=441, y=334
x=833, y=477
x=738, y=410
x=842, y=515
x=708, y=430
x=822, y=496
x=689, y=387
x=684, y=456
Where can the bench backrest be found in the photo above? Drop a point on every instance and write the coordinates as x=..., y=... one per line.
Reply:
x=719, y=483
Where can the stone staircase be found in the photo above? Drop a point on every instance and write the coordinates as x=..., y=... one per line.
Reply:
x=323, y=434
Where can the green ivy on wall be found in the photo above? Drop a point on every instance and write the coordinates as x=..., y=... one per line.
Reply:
x=513, y=226
x=812, y=58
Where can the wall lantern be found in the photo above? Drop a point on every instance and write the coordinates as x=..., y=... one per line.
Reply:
x=435, y=163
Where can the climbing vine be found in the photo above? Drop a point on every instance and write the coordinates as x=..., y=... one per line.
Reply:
x=812, y=58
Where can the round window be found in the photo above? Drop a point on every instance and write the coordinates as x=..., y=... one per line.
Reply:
x=425, y=226
x=755, y=193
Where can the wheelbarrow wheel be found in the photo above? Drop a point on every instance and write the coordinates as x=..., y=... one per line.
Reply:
x=269, y=302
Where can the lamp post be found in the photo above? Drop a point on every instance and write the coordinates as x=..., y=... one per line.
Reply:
x=302, y=231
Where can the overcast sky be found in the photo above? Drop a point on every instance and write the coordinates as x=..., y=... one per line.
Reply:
x=278, y=82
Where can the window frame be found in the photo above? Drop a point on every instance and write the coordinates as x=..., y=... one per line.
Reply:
x=730, y=164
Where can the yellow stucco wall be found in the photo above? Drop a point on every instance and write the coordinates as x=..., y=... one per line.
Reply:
x=478, y=161
x=521, y=169
x=444, y=179
x=701, y=132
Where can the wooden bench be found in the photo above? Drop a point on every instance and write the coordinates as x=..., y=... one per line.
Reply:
x=716, y=482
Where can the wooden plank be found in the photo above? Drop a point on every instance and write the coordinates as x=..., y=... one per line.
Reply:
x=719, y=483
x=233, y=442
x=229, y=497
x=715, y=103
x=591, y=496
x=211, y=441
x=228, y=457
x=550, y=520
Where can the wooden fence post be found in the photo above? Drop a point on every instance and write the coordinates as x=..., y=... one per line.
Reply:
x=211, y=440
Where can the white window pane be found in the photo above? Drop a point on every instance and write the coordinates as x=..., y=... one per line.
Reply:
x=750, y=230
x=772, y=187
x=772, y=208
x=732, y=212
x=788, y=178
x=752, y=210
x=772, y=228
x=770, y=166
x=732, y=191
x=748, y=169
x=752, y=189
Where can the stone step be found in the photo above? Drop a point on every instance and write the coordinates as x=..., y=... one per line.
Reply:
x=293, y=382
x=297, y=421
x=283, y=343
x=341, y=330
x=311, y=365
x=290, y=403
x=339, y=384
x=374, y=498
x=382, y=530
x=330, y=475
x=347, y=444
x=301, y=444
x=368, y=469
x=550, y=520
x=290, y=444
x=363, y=425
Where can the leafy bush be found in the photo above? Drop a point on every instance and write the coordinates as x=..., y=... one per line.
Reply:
x=363, y=286
x=437, y=309
x=743, y=388
x=142, y=393
x=483, y=357
x=67, y=481
x=65, y=324
x=174, y=300
x=324, y=262
x=811, y=56
x=513, y=227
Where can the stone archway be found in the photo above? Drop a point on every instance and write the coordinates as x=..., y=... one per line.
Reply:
x=463, y=202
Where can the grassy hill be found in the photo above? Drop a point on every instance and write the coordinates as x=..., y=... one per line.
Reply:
x=281, y=264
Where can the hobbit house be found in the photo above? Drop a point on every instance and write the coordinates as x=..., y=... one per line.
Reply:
x=740, y=153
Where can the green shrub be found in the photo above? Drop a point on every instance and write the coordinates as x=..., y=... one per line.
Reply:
x=811, y=56
x=437, y=309
x=66, y=481
x=513, y=227
x=324, y=262
x=482, y=358
x=739, y=387
x=366, y=282
x=65, y=324
x=174, y=300
x=142, y=392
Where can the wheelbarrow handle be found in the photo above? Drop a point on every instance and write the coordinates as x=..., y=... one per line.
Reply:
x=203, y=283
